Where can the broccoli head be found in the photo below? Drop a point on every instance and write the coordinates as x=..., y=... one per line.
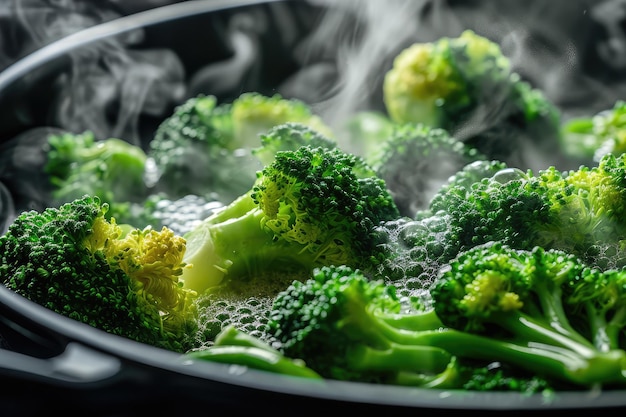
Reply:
x=589, y=138
x=289, y=137
x=77, y=263
x=415, y=160
x=310, y=207
x=255, y=113
x=194, y=152
x=348, y=327
x=204, y=147
x=112, y=169
x=465, y=85
x=337, y=322
x=520, y=297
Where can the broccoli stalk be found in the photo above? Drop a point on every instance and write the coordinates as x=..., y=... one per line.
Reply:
x=308, y=208
x=519, y=297
x=76, y=262
x=235, y=347
x=415, y=160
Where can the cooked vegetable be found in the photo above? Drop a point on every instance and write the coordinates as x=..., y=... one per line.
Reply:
x=521, y=297
x=336, y=322
x=578, y=211
x=348, y=327
x=308, y=208
x=204, y=147
x=76, y=262
x=112, y=169
x=235, y=347
x=588, y=139
x=465, y=85
x=289, y=137
x=415, y=160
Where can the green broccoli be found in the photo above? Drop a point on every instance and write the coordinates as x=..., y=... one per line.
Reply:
x=254, y=113
x=415, y=160
x=588, y=139
x=112, y=169
x=337, y=323
x=77, y=263
x=598, y=299
x=349, y=327
x=500, y=207
x=471, y=173
x=519, y=297
x=289, y=137
x=194, y=153
x=204, y=147
x=578, y=211
x=310, y=207
x=465, y=85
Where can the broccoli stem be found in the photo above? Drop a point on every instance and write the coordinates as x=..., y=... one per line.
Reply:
x=397, y=358
x=551, y=303
x=256, y=358
x=577, y=364
x=236, y=248
x=605, y=332
x=534, y=346
x=426, y=320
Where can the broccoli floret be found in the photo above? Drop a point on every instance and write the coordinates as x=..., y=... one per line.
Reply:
x=195, y=152
x=77, y=263
x=289, y=137
x=519, y=297
x=416, y=160
x=254, y=113
x=112, y=169
x=588, y=139
x=348, y=327
x=337, y=323
x=578, y=211
x=363, y=132
x=465, y=85
x=233, y=346
x=307, y=208
x=498, y=208
x=471, y=173
x=590, y=205
x=598, y=299
x=204, y=147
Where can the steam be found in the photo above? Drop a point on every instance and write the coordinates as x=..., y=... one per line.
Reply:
x=574, y=50
x=110, y=89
